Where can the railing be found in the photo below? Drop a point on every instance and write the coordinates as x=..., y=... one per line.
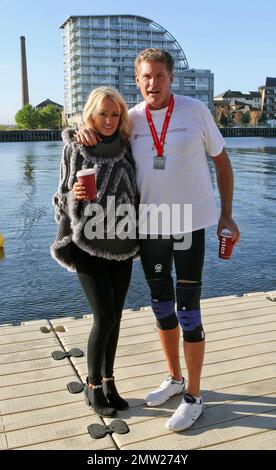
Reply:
x=248, y=131
x=30, y=135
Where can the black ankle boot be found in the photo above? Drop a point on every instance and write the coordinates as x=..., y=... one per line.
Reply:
x=113, y=396
x=95, y=398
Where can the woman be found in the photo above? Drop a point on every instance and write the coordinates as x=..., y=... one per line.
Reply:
x=102, y=258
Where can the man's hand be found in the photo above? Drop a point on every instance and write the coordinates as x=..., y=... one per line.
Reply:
x=87, y=137
x=228, y=222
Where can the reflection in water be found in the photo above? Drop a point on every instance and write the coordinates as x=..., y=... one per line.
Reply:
x=2, y=254
x=28, y=168
x=28, y=209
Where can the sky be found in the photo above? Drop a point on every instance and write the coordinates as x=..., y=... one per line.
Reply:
x=235, y=39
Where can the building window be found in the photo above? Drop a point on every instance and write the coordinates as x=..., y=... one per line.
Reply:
x=189, y=81
x=175, y=83
x=202, y=83
x=203, y=98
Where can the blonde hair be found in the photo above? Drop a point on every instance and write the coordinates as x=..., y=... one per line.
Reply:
x=93, y=105
x=154, y=55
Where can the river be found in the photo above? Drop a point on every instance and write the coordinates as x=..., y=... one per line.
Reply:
x=34, y=286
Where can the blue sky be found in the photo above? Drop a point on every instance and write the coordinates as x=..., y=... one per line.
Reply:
x=235, y=39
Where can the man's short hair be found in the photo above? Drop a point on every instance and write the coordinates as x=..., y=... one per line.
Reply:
x=154, y=55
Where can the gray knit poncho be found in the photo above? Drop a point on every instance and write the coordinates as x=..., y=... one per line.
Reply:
x=115, y=175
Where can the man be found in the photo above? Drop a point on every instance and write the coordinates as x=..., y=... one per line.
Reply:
x=171, y=135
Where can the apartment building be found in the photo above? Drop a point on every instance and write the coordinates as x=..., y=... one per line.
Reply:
x=100, y=50
x=252, y=98
x=268, y=98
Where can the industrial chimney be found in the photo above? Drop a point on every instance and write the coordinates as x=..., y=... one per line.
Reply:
x=24, y=76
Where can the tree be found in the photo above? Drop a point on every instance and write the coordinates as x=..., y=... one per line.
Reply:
x=245, y=118
x=42, y=118
x=262, y=118
x=27, y=117
x=223, y=120
x=49, y=117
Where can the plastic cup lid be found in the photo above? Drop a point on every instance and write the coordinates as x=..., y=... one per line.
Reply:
x=226, y=233
x=89, y=171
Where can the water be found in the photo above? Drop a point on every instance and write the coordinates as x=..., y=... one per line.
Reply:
x=34, y=286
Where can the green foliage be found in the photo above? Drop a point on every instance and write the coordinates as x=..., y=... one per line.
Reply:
x=245, y=118
x=27, y=117
x=262, y=118
x=42, y=118
x=223, y=120
x=49, y=117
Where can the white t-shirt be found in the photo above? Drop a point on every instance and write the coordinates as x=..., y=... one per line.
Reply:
x=186, y=179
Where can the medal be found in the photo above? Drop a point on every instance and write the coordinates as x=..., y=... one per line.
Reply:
x=159, y=161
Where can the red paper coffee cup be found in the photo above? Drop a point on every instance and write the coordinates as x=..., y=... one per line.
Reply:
x=88, y=179
x=225, y=244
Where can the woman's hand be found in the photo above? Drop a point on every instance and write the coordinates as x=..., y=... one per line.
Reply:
x=79, y=192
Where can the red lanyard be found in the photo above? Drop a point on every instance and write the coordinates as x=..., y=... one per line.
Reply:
x=159, y=144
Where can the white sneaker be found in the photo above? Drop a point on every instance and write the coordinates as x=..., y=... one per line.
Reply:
x=167, y=389
x=186, y=414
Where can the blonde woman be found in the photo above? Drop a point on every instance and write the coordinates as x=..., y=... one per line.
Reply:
x=98, y=247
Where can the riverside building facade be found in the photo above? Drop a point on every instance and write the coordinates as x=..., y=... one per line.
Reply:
x=268, y=92
x=100, y=50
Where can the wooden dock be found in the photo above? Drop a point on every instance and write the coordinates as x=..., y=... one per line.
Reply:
x=238, y=382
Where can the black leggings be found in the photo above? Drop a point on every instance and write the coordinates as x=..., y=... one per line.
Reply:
x=105, y=284
x=157, y=256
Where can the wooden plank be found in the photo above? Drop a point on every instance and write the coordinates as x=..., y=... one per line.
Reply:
x=36, y=376
x=211, y=417
x=146, y=315
x=23, y=328
x=35, y=402
x=154, y=345
x=239, y=377
x=61, y=412
x=241, y=313
x=210, y=356
x=35, y=322
x=3, y=442
x=221, y=396
x=155, y=357
x=193, y=438
x=211, y=398
x=61, y=320
x=29, y=346
x=261, y=441
x=143, y=324
x=53, y=384
x=209, y=370
x=29, y=366
x=138, y=384
x=24, y=336
x=231, y=332
x=83, y=442
x=141, y=327
x=30, y=355
x=19, y=329
x=52, y=432
x=238, y=382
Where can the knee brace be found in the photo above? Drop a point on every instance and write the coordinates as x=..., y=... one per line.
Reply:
x=188, y=311
x=163, y=309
